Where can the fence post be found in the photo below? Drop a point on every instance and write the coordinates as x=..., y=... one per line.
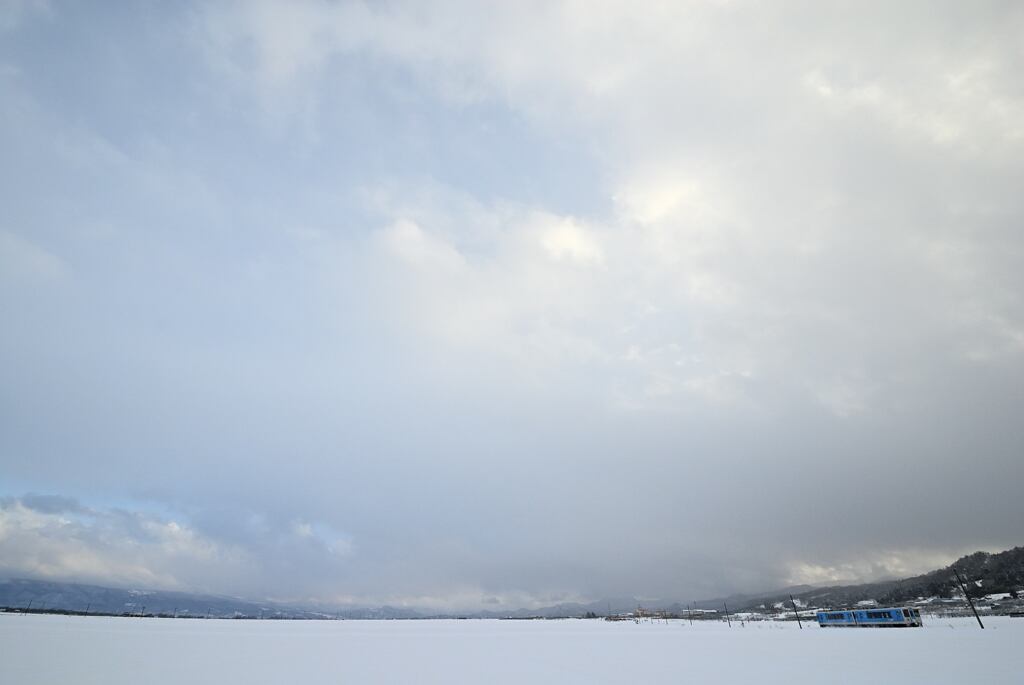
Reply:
x=797, y=612
x=963, y=586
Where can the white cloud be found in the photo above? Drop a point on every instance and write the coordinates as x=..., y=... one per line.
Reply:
x=729, y=242
x=109, y=547
x=59, y=539
x=421, y=250
x=877, y=565
x=567, y=240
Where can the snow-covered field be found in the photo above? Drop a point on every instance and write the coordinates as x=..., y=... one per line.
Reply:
x=67, y=649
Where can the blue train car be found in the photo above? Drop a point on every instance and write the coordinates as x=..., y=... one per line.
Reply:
x=891, y=617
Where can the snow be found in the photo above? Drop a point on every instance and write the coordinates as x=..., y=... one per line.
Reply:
x=65, y=649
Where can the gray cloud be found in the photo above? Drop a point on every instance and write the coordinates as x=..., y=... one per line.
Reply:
x=375, y=305
x=51, y=504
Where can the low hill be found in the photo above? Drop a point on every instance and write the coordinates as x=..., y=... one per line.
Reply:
x=22, y=594
x=40, y=595
x=985, y=574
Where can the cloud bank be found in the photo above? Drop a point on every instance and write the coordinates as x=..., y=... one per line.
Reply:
x=447, y=305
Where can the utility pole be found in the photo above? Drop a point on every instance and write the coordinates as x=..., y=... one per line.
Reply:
x=797, y=612
x=727, y=614
x=963, y=586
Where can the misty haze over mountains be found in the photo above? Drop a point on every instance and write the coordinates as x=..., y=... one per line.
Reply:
x=989, y=573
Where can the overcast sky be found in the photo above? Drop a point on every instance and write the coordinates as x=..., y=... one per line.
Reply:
x=460, y=304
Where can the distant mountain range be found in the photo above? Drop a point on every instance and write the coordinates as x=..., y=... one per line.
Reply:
x=986, y=574
x=47, y=595
x=40, y=595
